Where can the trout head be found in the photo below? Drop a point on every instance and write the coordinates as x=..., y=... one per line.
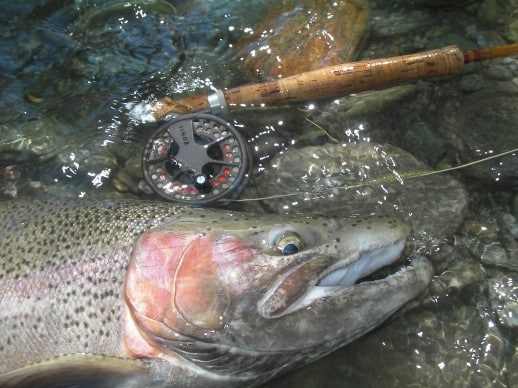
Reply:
x=247, y=298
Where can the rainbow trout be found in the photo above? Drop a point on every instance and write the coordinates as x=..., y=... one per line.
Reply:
x=134, y=293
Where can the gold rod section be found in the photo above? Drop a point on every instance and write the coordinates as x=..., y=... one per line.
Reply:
x=337, y=80
x=490, y=52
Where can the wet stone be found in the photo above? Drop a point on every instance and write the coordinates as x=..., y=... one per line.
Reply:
x=511, y=223
x=481, y=229
x=398, y=23
x=384, y=115
x=9, y=189
x=86, y=159
x=144, y=187
x=511, y=31
x=496, y=255
x=487, y=38
x=443, y=257
x=421, y=141
x=372, y=102
x=471, y=83
x=482, y=124
x=429, y=347
x=487, y=252
x=458, y=276
x=33, y=140
x=503, y=293
x=500, y=73
x=133, y=166
x=123, y=182
x=287, y=42
x=489, y=11
x=512, y=369
x=490, y=240
x=456, y=273
x=108, y=54
x=447, y=38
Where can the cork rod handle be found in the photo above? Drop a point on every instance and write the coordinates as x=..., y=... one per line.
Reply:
x=347, y=78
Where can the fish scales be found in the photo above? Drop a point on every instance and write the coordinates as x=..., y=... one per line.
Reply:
x=55, y=240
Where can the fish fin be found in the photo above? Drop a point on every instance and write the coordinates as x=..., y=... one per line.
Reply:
x=79, y=371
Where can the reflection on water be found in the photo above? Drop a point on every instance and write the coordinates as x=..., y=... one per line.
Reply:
x=71, y=72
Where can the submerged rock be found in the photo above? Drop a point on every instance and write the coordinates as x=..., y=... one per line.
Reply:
x=87, y=55
x=429, y=347
x=490, y=239
x=37, y=140
x=513, y=369
x=483, y=123
x=302, y=36
x=503, y=291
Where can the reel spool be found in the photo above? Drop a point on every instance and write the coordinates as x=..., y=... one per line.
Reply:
x=196, y=159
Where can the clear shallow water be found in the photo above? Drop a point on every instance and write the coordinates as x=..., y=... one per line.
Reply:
x=71, y=70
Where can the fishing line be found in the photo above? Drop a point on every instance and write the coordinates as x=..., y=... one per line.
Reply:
x=387, y=179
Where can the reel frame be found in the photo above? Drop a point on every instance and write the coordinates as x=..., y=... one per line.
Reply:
x=197, y=159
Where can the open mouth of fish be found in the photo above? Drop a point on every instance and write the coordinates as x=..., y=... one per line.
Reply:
x=372, y=264
x=324, y=276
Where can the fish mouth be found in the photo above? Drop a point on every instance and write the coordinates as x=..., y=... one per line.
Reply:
x=367, y=264
x=325, y=276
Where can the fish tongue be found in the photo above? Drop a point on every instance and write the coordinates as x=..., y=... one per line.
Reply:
x=368, y=262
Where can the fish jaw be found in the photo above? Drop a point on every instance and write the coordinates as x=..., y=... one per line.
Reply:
x=226, y=299
x=337, y=275
x=333, y=316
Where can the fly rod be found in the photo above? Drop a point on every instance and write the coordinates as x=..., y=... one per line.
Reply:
x=334, y=81
x=200, y=159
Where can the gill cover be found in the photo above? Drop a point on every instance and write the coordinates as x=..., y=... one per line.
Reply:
x=175, y=278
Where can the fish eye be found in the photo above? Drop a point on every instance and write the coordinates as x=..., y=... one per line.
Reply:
x=289, y=244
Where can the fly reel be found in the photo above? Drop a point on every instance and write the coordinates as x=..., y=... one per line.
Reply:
x=196, y=159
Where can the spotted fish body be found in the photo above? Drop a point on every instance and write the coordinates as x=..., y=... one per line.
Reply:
x=133, y=293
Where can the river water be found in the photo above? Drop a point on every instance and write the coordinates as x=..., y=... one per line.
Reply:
x=73, y=71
